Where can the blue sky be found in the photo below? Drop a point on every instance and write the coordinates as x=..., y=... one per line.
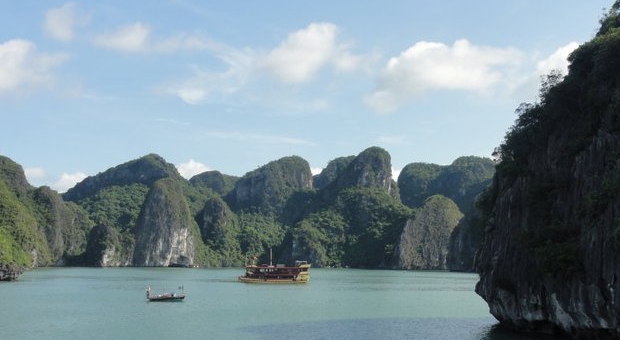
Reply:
x=233, y=85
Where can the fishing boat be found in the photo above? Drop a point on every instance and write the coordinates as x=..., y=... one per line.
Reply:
x=280, y=273
x=166, y=296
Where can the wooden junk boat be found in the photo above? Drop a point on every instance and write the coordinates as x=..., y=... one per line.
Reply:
x=166, y=296
x=299, y=273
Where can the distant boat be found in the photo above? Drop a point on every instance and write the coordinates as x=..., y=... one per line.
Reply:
x=299, y=273
x=166, y=296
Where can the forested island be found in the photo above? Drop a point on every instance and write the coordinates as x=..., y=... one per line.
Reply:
x=353, y=214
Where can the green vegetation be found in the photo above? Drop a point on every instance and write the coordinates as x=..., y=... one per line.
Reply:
x=460, y=181
x=19, y=235
x=375, y=221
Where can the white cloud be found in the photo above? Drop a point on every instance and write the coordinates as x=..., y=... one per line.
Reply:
x=67, y=181
x=191, y=94
x=558, y=60
x=60, y=23
x=191, y=168
x=137, y=38
x=21, y=66
x=34, y=174
x=297, y=59
x=181, y=42
x=204, y=84
x=130, y=38
x=303, y=53
x=428, y=66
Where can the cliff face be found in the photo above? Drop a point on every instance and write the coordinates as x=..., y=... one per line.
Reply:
x=163, y=231
x=425, y=239
x=550, y=258
x=563, y=277
x=372, y=168
x=37, y=228
x=333, y=169
x=219, y=230
x=462, y=182
x=65, y=225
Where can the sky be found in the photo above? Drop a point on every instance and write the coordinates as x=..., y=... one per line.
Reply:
x=233, y=85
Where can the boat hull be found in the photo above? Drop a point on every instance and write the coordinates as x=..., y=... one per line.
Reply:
x=272, y=281
x=167, y=298
x=280, y=274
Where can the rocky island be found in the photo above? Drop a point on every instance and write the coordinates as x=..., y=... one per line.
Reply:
x=550, y=257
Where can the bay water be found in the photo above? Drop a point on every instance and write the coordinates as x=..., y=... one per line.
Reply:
x=110, y=303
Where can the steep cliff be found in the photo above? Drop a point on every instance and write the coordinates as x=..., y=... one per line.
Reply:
x=64, y=224
x=372, y=168
x=462, y=182
x=267, y=188
x=550, y=258
x=425, y=239
x=333, y=169
x=164, y=234
x=219, y=230
x=37, y=228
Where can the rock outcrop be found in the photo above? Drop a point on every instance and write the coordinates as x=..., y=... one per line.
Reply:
x=144, y=170
x=425, y=239
x=550, y=258
x=462, y=182
x=164, y=234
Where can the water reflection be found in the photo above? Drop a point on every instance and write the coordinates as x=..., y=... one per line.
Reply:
x=392, y=328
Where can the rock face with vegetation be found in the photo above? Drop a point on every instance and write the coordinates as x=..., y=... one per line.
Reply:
x=268, y=188
x=37, y=228
x=461, y=182
x=165, y=230
x=425, y=239
x=550, y=258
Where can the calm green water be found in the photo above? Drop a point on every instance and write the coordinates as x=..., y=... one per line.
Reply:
x=110, y=303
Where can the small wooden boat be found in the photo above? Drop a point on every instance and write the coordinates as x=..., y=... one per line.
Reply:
x=166, y=296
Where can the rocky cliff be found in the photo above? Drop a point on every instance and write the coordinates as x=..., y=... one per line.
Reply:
x=425, y=239
x=550, y=258
x=37, y=228
x=462, y=182
x=267, y=188
x=164, y=235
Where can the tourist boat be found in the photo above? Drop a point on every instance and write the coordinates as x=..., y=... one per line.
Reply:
x=299, y=273
x=166, y=296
